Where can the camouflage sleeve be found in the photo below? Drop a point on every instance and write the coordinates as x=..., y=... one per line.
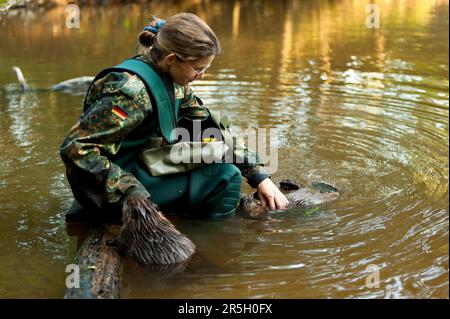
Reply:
x=248, y=162
x=97, y=135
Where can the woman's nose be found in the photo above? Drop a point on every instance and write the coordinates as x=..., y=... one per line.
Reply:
x=201, y=75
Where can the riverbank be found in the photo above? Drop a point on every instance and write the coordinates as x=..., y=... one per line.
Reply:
x=11, y=5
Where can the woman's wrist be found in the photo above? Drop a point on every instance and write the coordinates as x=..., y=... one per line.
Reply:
x=256, y=181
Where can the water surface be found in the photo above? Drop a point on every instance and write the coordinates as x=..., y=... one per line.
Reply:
x=364, y=109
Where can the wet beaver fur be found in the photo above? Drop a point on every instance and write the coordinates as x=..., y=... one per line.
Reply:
x=300, y=195
x=149, y=237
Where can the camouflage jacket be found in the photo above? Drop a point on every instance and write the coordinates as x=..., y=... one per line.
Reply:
x=119, y=104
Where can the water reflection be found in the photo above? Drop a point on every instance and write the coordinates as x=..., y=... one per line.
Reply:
x=364, y=109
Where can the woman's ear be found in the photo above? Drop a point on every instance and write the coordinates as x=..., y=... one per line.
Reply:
x=170, y=59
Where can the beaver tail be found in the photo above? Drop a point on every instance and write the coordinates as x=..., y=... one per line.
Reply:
x=149, y=237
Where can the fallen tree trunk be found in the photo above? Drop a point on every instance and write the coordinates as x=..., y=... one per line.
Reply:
x=100, y=266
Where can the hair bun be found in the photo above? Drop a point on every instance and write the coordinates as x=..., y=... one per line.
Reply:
x=147, y=38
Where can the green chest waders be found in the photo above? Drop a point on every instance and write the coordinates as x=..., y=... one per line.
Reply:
x=205, y=190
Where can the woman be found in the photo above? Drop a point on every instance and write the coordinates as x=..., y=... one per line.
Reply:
x=113, y=152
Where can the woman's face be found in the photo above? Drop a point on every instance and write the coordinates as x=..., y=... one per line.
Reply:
x=185, y=72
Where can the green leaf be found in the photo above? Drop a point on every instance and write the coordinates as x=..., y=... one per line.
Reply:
x=311, y=211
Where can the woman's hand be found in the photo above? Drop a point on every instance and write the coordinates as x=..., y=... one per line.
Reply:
x=268, y=193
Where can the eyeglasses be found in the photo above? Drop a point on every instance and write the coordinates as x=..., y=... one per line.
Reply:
x=198, y=71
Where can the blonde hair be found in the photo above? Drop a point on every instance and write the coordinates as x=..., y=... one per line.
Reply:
x=185, y=35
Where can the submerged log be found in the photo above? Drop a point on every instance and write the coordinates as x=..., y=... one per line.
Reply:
x=75, y=86
x=150, y=239
x=100, y=266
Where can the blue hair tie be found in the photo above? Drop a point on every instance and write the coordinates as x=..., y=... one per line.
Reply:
x=157, y=27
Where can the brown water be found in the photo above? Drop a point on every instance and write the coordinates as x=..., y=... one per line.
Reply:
x=364, y=109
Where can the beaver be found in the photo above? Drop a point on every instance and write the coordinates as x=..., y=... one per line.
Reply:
x=149, y=237
x=299, y=194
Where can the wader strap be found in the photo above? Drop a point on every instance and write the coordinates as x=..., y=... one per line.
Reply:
x=166, y=110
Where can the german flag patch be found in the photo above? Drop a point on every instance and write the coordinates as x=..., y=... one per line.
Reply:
x=119, y=112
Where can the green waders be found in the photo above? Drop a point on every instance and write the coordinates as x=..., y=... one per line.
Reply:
x=211, y=190
x=208, y=190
